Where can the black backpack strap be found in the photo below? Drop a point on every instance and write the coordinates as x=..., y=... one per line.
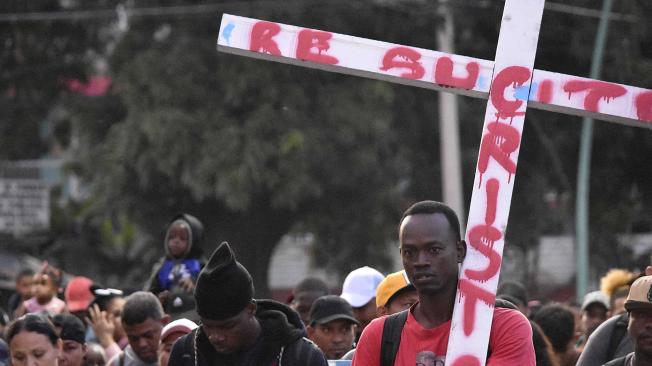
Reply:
x=121, y=359
x=617, y=334
x=392, y=337
x=189, y=352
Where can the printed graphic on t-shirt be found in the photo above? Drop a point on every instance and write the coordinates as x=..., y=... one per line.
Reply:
x=429, y=358
x=179, y=271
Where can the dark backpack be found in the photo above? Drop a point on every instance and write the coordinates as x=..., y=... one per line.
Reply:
x=189, y=350
x=617, y=334
x=394, y=326
x=392, y=337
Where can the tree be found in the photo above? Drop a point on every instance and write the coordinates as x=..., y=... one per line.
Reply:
x=37, y=58
x=253, y=149
x=257, y=149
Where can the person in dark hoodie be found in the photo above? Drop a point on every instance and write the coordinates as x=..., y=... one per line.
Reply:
x=178, y=270
x=238, y=330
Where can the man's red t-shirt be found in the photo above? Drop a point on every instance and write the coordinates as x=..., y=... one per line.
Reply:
x=510, y=342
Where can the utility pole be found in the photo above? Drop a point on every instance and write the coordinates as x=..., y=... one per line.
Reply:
x=449, y=136
x=584, y=165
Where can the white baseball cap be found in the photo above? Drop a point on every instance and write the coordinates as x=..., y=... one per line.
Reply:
x=595, y=297
x=360, y=286
x=179, y=325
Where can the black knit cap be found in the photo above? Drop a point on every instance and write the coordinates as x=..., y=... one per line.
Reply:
x=224, y=287
x=72, y=329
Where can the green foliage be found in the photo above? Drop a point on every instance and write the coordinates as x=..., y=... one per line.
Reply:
x=245, y=145
x=257, y=149
x=36, y=59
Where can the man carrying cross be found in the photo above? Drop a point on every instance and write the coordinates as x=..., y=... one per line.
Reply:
x=511, y=84
x=431, y=249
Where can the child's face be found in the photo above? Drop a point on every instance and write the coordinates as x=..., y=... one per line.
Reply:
x=178, y=239
x=24, y=286
x=43, y=288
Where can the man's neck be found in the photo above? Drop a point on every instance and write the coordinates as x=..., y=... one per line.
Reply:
x=641, y=359
x=435, y=309
x=254, y=333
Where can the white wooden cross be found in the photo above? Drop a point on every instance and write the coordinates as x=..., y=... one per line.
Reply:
x=510, y=84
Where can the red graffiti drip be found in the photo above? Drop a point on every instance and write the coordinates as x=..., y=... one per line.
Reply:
x=261, y=39
x=501, y=140
x=467, y=360
x=596, y=90
x=482, y=237
x=444, y=74
x=512, y=75
x=473, y=293
x=408, y=59
x=492, y=201
x=544, y=94
x=308, y=40
x=644, y=106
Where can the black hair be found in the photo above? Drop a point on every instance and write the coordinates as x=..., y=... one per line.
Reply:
x=513, y=290
x=70, y=327
x=104, y=296
x=25, y=273
x=542, y=347
x=36, y=323
x=408, y=288
x=558, y=323
x=141, y=306
x=433, y=207
x=502, y=302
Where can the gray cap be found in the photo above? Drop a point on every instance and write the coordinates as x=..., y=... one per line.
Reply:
x=595, y=297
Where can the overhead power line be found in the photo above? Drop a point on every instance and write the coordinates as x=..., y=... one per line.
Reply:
x=207, y=9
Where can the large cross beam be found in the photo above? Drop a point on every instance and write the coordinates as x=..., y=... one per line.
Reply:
x=429, y=69
x=510, y=84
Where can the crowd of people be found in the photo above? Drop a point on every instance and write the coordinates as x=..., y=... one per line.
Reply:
x=197, y=312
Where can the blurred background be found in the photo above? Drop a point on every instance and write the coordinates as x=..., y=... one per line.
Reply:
x=115, y=115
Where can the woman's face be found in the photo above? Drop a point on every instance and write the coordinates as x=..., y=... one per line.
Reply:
x=33, y=349
x=165, y=348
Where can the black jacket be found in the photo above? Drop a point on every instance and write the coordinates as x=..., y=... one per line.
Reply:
x=282, y=338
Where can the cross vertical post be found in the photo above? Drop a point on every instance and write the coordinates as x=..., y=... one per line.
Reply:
x=494, y=182
x=510, y=84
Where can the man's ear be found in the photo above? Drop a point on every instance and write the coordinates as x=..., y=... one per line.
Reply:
x=252, y=307
x=59, y=347
x=461, y=251
x=166, y=319
x=381, y=310
x=310, y=330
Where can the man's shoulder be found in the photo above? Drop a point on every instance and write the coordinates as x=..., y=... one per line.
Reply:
x=621, y=361
x=615, y=321
x=377, y=324
x=510, y=316
x=303, y=351
x=183, y=346
x=373, y=332
x=507, y=326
